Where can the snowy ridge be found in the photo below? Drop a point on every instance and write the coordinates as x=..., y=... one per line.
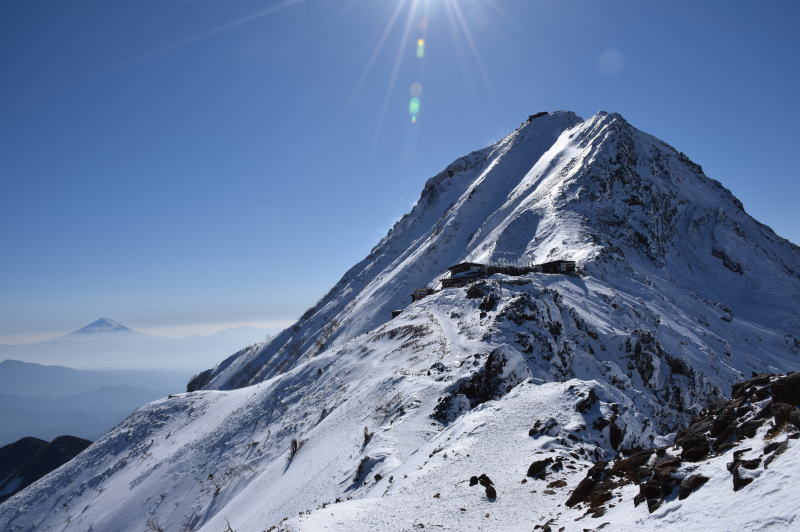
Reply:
x=360, y=420
x=434, y=235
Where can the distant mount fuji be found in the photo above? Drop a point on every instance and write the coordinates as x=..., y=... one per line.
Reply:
x=108, y=344
x=103, y=325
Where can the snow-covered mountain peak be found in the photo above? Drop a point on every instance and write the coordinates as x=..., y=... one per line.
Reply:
x=677, y=295
x=102, y=325
x=620, y=202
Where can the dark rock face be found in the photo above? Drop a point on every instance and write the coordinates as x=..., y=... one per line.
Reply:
x=724, y=423
x=691, y=484
x=739, y=481
x=538, y=469
x=615, y=436
x=27, y=460
x=787, y=389
x=584, y=489
x=484, y=385
x=543, y=427
x=587, y=402
x=774, y=452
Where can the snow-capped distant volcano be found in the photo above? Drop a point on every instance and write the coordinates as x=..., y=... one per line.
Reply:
x=103, y=325
x=107, y=344
x=354, y=420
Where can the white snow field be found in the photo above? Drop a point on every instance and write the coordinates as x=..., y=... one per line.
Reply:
x=350, y=420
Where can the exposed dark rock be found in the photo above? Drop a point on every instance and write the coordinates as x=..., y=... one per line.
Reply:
x=483, y=385
x=633, y=468
x=777, y=451
x=478, y=290
x=694, y=441
x=600, y=423
x=365, y=466
x=587, y=402
x=740, y=389
x=585, y=486
x=542, y=427
x=748, y=428
x=485, y=481
x=723, y=423
x=651, y=492
x=538, y=469
x=794, y=418
x=738, y=454
x=728, y=262
x=489, y=302
x=780, y=413
x=768, y=448
x=695, y=449
x=691, y=484
x=491, y=493
x=751, y=464
x=615, y=435
x=738, y=480
x=787, y=389
x=581, y=491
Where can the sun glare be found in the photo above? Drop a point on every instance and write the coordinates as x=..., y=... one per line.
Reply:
x=415, y=24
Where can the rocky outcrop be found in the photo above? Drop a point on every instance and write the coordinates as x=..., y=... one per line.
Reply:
x=763, y=402
x=487, y=383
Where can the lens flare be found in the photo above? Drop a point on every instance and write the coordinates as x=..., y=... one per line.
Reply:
x=413, y=106
x=413, y=109
x=415, y=89
x=421, y=48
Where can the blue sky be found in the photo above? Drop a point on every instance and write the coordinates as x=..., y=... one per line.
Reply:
x=190, y=164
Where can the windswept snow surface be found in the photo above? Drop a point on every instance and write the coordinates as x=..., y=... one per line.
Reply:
x=681, y=294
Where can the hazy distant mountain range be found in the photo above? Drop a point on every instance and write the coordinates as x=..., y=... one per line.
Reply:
x=125, y=369
x=107, y=344
x=49, y=401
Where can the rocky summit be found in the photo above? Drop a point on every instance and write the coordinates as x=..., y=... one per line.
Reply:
x=548, y=340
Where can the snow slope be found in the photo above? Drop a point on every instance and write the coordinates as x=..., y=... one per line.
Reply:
x=680, y=295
